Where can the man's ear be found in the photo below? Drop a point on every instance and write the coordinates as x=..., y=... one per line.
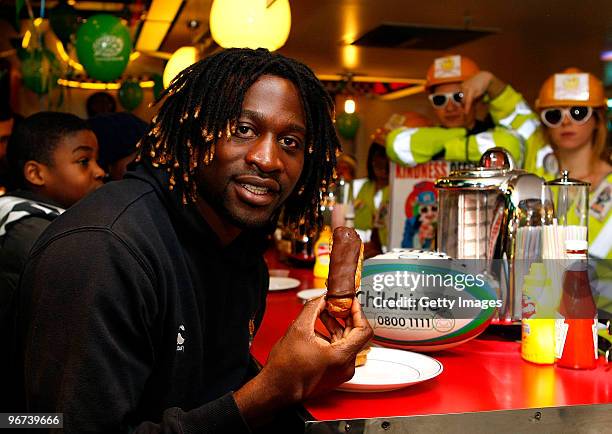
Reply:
x=34, y=172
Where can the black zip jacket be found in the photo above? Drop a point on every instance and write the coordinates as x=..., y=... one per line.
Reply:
x=24, y=215
x=134, y=318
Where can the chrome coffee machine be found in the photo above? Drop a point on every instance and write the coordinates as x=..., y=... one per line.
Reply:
x=483, y=212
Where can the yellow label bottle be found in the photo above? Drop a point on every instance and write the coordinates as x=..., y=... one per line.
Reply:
x=322, y=250
x=538, y=325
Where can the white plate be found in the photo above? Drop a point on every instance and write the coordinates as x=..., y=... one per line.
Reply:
x=388, y=369
x=281, y=283
x=308, y=294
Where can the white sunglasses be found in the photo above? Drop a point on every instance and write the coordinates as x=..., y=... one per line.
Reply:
x=439, y=100
x=553, y=117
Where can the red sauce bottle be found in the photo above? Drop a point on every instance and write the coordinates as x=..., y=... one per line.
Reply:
x=577, y=331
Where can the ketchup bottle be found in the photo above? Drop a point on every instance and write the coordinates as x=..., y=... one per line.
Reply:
x=577, y=330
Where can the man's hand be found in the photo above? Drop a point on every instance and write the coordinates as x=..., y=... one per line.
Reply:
x=477, y=86
x=303, y=364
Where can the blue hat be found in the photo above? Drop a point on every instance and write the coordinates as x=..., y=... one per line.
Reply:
x=426, y=198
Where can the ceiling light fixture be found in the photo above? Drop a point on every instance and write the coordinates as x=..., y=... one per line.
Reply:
x=250, y=23
x=369, y=79
x=181, y=59
x=75, y=84
x=349, y=105
x=157, y=24
x=66, y=58
x=403, y=93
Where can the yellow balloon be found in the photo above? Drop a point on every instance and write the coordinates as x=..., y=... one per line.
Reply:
x=181, y=59
x=250, y=23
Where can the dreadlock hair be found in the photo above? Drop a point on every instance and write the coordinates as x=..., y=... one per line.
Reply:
x=202, y=106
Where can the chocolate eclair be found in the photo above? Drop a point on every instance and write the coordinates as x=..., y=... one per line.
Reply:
x=344, y=271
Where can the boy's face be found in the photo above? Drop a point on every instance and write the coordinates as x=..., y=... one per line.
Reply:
x=74, y=172
x=254, y=172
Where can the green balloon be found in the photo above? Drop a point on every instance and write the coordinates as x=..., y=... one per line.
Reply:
x=347, y=125
x=158, y=86
x=64, y=21
x=103, y=47
x=40, y=70
x=130, y=95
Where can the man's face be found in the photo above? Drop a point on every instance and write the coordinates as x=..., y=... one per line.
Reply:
x=453, y=115
x=254, y=171
x=74, y=172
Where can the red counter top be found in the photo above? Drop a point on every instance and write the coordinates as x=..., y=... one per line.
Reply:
x=483, y=374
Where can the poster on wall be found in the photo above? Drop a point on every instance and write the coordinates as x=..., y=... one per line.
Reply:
x=414, y=204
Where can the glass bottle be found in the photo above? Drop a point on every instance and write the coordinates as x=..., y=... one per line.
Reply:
x=322, y=251
x=538, y=324
x=576, y=330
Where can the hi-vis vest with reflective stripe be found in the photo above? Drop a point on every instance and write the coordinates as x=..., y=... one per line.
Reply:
x=600, y=229
x=411, y=146
x=510, y=110
x=600, y=226
x=600, y=223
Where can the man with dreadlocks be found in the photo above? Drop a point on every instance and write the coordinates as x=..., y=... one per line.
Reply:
x=143, y=299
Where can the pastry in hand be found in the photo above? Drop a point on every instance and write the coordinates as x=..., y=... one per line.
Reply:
x=344, y=271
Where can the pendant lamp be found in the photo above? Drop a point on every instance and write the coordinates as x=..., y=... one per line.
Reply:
x=181, y=59
x=250, y=23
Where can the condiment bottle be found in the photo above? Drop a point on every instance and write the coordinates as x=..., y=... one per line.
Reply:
x=576, y=330
x=322, y=251
x=538, y=324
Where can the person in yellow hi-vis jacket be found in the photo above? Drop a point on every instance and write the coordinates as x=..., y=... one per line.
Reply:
x=572, y=137
x=572, y=107
x=460, y=136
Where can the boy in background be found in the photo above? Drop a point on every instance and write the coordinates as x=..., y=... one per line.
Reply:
x=52, y=157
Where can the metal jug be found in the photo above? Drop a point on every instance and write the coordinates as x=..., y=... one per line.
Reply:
x=480, y=213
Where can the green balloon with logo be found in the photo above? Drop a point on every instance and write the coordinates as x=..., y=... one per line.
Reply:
x=103, y=47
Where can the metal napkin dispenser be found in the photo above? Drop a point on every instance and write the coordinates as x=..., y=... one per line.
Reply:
x=480, y=213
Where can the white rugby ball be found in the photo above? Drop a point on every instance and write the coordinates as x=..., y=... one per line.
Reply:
x=425, y=301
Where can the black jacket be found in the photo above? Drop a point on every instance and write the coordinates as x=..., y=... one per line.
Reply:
x=23, y=217
x=135, y=317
